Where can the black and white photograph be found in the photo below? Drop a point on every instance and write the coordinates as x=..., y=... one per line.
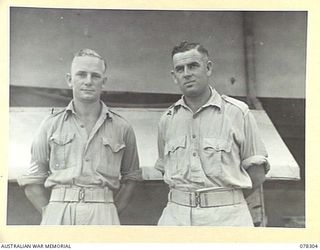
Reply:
x=157, y=117
x=174, y=123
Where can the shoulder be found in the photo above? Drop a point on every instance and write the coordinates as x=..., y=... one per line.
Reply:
x=54, y=114
x=236, y=104
x=168, y=113
x=119, y=120
x=51, y=119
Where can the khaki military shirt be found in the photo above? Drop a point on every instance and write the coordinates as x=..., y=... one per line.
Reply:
x=212, y=147
x=63, y=153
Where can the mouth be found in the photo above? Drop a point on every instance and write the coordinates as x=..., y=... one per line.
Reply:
x=189, y=82
x=87, y=90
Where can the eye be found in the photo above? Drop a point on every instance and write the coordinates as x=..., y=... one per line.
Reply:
x=179, y=69
x=193, y=66
x=81, y=74
x=96, y=76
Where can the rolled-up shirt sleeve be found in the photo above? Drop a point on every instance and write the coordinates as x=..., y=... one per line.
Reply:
x=130, y=162
x=253, y=151
x=38, y=170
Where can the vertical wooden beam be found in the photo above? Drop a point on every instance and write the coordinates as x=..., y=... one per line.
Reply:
x=255, y=200
x=250, y=70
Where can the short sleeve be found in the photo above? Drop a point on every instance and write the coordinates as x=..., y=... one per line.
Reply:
x=38, y=170
x=253, y=151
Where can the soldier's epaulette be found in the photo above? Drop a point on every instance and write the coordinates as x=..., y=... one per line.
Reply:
x=170, y=110
x=114, y=113
x=239, y=104
x=56, y=111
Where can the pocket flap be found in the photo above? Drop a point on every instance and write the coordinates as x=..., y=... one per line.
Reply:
x=115, y=146
x=175, y=143
x=217, y=144
x=62, y=139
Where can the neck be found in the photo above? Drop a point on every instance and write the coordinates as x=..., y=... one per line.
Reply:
x=87, y=109
x=195, y=102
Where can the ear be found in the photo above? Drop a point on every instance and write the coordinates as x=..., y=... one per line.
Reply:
x=174, y=77
x=68, y=80
x=209, y=68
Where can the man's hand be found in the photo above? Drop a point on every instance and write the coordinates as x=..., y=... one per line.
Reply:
x=38, y=195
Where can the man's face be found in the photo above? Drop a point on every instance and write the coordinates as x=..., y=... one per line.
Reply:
x=87, y=78
x=191, y=71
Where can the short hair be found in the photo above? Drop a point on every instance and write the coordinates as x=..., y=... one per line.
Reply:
x=186, y=46
x=90, y=52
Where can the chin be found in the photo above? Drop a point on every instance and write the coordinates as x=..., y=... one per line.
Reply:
x=88, y=99
x=190, y=92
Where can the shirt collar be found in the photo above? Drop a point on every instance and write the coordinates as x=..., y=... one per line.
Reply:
x=214, y=100
x=70, y=108
x=104, y=110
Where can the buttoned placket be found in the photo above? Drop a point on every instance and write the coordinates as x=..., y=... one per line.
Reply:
x=193, y=124
x=194, y=137
x=83, y=136
x=94, y=130
x=193, y=140
x=88, y=139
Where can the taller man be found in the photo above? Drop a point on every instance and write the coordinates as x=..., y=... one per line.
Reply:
x=209, y=149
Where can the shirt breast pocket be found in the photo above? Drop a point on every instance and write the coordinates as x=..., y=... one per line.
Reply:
x=111, y=157
x=61, y=149
x=214, y=151
x=174, y=151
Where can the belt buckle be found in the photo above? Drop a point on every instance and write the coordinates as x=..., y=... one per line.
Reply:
x=81, y=195
x=197, y=199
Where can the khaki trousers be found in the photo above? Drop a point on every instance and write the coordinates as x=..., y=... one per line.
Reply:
x=233, y=215
x=79, y=213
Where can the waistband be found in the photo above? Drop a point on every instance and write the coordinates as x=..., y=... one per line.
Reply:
x=81, y=194
x=213, y=198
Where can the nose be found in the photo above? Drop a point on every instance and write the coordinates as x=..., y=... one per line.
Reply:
x=186, y=72
x=88, y=79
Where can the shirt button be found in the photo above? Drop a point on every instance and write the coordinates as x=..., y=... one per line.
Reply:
x=194, y=136
x=194, y=154
x=87, y=159
x=81, y=126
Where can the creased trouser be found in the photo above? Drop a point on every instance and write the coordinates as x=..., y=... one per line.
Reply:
x=79, y=213
x=234, y=215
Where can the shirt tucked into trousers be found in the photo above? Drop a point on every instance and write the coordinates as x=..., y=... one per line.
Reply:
x=209, y=149
x=64, y=154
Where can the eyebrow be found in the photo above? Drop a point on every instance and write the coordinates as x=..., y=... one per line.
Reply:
x=96, y=74
x=85, y=72
x=193, y=63
x=188, y=64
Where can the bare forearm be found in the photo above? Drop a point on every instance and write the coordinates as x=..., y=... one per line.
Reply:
x=38, y=195
x=257, y=175
x=124, y=195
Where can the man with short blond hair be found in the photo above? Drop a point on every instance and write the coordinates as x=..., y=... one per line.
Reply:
x=84, y=159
